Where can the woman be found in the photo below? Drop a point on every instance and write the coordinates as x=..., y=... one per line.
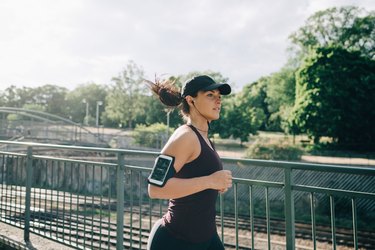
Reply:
x=192, y=191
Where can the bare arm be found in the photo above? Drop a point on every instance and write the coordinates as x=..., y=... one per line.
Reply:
x=185, y=147
x=177, y=188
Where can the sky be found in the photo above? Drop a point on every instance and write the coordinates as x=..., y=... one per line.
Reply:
x=73, y=42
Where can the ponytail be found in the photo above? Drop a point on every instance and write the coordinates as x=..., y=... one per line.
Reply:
x=167, y=92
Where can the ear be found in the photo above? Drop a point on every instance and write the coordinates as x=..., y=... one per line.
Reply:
x=190, y=100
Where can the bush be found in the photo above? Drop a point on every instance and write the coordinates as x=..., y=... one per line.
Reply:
x=276, y=149
x=153, y=136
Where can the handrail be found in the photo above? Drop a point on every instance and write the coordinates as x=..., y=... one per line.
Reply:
x=261, y=163
x=118, y=191
x=305, y=166
x=80, y=148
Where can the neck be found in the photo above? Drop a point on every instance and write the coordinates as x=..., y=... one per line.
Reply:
x=202, y=127
x=200, y=115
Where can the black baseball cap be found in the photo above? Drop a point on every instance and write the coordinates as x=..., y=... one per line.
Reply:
x=204, y=83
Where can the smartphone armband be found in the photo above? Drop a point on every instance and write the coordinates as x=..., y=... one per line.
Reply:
x=162, y=170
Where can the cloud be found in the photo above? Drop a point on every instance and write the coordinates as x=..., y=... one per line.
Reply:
x=76, y=41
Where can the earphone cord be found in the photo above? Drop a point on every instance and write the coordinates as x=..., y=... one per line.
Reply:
x=208, y=123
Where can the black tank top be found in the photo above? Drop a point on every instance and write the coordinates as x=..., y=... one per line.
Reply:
x=192, y=217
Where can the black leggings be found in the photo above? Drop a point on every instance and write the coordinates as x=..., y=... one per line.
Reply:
x=163, y=240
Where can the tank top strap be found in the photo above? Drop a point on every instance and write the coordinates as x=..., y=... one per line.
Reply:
x=200, y=137
x=196, y=132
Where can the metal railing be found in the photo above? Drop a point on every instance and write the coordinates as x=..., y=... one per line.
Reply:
x=36, y=125
x=96, y=198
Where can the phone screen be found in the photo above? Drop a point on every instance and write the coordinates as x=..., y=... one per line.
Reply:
x=160, y=169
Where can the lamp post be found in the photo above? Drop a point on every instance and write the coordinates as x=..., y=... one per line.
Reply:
x=168, y=111
x=98, y=103
x=86, y=119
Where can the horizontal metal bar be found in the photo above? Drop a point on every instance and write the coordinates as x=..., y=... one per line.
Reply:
x=263, y=163
x=74, y=161
x=138, y=168
x=258, y=183
x=81, y=148
x=305, y=166
x=12, y=153
x=331, y=191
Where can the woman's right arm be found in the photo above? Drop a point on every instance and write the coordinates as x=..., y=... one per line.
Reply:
x=185, y=147
x=177, y=187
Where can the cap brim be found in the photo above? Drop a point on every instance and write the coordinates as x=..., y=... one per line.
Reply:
x=224, y=88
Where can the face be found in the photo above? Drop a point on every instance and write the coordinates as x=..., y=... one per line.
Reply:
x=209, y=104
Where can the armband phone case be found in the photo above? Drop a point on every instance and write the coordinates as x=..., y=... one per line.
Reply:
x=162, y=170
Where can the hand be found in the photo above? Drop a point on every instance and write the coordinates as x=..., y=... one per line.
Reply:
x=221, y=180
x=222, y=191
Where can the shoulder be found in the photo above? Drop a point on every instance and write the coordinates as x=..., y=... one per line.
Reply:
x=183, y=136
x=183, y=145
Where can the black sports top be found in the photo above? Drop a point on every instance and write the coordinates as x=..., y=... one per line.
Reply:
x=192, y=218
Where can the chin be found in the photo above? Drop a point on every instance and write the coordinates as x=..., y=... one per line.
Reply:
x=215, y=118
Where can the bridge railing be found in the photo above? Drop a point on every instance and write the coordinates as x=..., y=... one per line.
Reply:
x=96, y=198
x=37, y=125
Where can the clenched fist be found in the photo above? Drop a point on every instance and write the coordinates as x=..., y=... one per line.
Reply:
x=221, y=180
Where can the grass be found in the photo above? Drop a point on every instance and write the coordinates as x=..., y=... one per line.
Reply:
x=270, y=140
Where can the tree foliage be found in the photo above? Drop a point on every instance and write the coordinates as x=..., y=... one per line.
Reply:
x=278, y=98
x=158, y=113
x=350, y=27
x=335, y=96
x=124, y=100
x=242, y=114
x=50, y=97
x=90, y=93
x=153, y=136
x=331, y=94
x=253, y=100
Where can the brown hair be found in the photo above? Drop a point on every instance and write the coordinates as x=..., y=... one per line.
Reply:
x=169, y=94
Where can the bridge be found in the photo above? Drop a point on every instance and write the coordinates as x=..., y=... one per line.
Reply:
x=31, y=125
x=102, y=203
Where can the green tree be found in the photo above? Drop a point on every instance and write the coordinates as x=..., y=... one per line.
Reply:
x=3, y=102
x=35, y=107
x=90, y=93
x=156, y=112
x=153, y=136
x=350, y=27
x=16, y=97
x=242, y=114
x=52, y=97
x=254, y=97
x=335, y=96
x=280, y=98
x=124, y=100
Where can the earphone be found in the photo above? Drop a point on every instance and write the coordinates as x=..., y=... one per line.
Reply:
x=208, y=123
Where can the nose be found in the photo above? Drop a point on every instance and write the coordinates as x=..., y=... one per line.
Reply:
x=218, y=99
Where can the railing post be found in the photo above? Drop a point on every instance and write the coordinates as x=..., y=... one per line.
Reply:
x=289, y=210
x=120, y=185
x=29, y=179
